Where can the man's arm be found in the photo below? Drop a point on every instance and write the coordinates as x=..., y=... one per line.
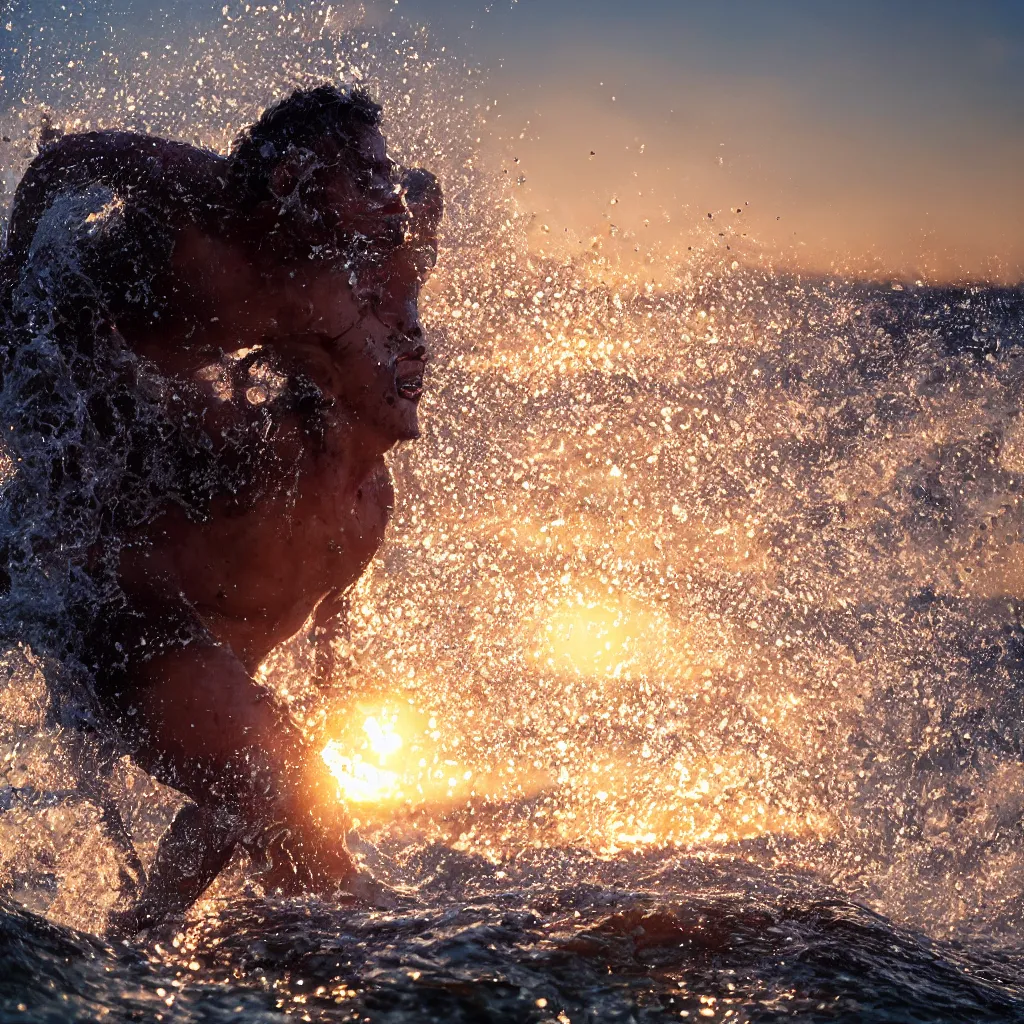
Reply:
x=174, y=181
x=199, y=722
x=331, y=634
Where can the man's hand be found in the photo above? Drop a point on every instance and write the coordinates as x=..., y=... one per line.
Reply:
x=200, y=723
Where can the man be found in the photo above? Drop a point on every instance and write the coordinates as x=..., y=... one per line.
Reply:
x=244, y=340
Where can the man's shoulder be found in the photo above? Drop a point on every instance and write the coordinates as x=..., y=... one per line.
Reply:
x=174, y=179
x=117, y=154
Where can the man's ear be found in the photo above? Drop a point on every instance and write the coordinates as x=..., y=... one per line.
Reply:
x=284, y=177
x=288, y=171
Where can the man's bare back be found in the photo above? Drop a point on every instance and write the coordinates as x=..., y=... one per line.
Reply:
x=280, y=301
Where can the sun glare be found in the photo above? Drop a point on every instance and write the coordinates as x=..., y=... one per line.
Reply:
x=384, y=741
x=360, y=780
x=392, y=756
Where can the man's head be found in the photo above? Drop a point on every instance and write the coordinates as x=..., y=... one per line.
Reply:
x=313, y=188
x=313, y=178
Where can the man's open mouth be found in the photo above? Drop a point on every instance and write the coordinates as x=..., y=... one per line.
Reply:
x=411, y=387
x=409, y=374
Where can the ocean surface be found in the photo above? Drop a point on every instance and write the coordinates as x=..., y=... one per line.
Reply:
x=689, y=682
x=645, y=938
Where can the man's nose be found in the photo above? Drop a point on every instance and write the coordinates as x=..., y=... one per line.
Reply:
x=404, y=318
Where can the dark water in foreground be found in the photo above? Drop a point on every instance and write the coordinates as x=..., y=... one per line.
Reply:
x=639, y=939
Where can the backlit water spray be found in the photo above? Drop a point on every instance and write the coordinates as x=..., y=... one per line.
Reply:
x=698, y=616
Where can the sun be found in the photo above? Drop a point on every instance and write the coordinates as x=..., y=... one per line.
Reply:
x=361, y=773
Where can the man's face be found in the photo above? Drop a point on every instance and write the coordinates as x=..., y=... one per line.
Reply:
x=373, y=339
x=381, y=360
x=368, y=318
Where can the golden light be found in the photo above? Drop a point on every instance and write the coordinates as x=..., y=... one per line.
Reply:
x=384, y=741
x=391, y=756
x=590, y=640
x=359, y=779
x=600, y=638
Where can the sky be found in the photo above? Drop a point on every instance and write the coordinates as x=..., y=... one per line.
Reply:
x=882, y=138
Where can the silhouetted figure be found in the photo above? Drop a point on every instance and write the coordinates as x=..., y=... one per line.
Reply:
x=239, y=337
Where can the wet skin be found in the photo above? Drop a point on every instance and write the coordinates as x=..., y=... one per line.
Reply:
x=251, y=575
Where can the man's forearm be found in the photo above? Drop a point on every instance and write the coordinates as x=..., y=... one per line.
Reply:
x=330, y=632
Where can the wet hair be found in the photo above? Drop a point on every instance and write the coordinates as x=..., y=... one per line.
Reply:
x=303, y=121
x=320, y=137
x=311, y=180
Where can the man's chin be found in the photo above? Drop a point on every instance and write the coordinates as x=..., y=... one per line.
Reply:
x=404, y=425
x=391, y=422
x=408, y=418
x=411, y=431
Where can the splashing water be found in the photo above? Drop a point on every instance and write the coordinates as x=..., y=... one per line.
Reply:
x=699, y=619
